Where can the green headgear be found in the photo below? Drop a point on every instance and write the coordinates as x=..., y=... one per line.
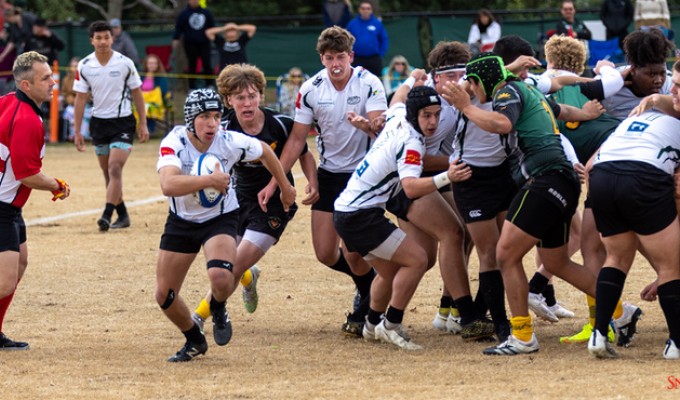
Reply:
x=489, y=69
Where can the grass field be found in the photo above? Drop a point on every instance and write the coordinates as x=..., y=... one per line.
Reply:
x=87, y=307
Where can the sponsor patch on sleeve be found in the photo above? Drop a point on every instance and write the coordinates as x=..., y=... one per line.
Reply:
x=412, y=157
x=167, y=151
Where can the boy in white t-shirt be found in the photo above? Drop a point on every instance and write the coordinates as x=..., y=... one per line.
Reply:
x=112, y=79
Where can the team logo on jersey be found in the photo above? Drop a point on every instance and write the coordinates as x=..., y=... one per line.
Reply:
x=503, y=96
x=637, y=126
x=325, y=103
x=353, y=100
x=317, y=81
x=114, y=74
x=412, y=157
x=167, y=151
x=274, y=222
x=673, y=154
x=573, y=125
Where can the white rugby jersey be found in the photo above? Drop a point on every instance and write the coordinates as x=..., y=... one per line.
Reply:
x=397, y=154
x=651, y=138
x=610, y=77
x=341, y=146
x=620, y=104
x=230, y=147
x=477, y=147
x=110, y=84
x=541, y=82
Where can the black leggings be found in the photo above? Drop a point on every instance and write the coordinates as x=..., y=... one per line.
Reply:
x=195, y=51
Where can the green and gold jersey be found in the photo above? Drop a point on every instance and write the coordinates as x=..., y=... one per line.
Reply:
x=533, y=118
x=585, y=136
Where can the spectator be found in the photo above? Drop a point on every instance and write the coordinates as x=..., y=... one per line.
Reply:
x=652, y=13
x=44, y=41
x=231, y=46
x=371, y=41
x=288, y=88
x=21, y=26
x=191, y=26
x=4, y=5
x=484, y=32
x=569, y=25
x=122, y=42
x=337, y=12
x=395, y=74
x=154, y=90
x=7, y=56
x=68, y=96
x=616, y=15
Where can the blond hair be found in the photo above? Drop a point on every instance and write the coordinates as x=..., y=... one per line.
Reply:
x=566, y=53
x=23, y=65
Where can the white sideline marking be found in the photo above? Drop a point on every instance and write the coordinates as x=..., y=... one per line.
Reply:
x=53, y=218
x=135, y=203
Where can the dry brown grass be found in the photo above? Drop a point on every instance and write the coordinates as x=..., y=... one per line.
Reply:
x=86, y=306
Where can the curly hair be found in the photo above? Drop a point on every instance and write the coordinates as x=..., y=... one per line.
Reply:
x=566, y=53
x=645, y=47
x=447, y=54
x=235, y=78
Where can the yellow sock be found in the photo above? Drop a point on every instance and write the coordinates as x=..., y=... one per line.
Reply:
x=618, y=311
x=444, y=311
x=591, y=309
x=247, y=278
x=522, y=328
x=203, y=309
x=454, y=312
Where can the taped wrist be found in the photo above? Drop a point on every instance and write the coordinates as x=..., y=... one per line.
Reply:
x=440, y=180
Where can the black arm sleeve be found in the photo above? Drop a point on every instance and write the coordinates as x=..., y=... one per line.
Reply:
x=592, y=90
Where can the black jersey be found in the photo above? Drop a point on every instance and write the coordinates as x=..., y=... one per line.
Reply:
x=251, y=177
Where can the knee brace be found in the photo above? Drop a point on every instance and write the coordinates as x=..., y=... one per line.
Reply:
x=168, y=300
x=221, y=264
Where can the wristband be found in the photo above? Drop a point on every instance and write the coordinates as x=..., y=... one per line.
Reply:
x=440, y=180
x=410, y=82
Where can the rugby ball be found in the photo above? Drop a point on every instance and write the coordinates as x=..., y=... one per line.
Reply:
x=205, y=165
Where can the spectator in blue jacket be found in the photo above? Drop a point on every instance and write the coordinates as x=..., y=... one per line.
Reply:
x=371, y=39
x=191, y=25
